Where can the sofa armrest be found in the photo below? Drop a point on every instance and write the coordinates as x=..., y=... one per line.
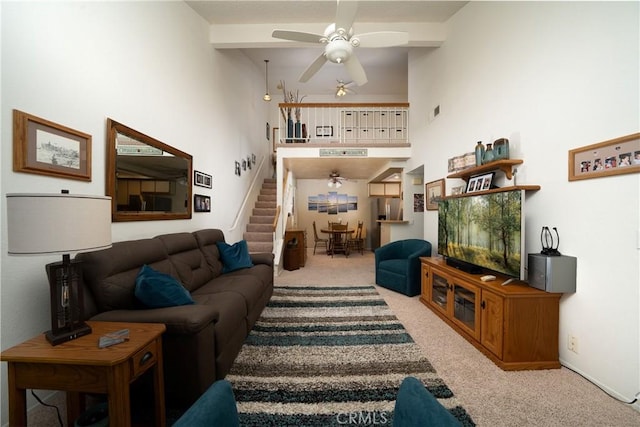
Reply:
x=184, y=319
x=262, y=258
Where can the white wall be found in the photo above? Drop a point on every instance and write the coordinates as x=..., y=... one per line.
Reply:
x=148, y=65
x=550, y=77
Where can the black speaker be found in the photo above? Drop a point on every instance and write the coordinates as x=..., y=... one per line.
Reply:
x=552, y=273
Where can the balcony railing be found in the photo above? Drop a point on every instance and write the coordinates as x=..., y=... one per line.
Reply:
x=360, y=123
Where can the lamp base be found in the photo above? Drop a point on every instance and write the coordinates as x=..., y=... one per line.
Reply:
x=64, y=335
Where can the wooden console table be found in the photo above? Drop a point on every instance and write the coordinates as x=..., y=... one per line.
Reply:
x=79, y=366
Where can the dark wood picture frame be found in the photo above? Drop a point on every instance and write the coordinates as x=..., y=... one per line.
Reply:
x=613, y=157
x=201, y=203
x=47, y=148
x=434, y=192
x=202, y=179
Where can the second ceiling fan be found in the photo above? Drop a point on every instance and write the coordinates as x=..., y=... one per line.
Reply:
x=339, y=40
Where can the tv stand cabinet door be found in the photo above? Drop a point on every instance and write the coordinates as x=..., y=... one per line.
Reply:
x=492, y=329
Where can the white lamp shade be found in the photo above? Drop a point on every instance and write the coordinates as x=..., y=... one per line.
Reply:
x=57, y=223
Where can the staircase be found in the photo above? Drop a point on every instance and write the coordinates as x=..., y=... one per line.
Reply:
x=259, y=234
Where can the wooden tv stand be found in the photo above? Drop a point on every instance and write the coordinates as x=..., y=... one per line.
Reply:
x=516, y=326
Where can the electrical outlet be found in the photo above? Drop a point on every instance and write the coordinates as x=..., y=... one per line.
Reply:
x=572, y=343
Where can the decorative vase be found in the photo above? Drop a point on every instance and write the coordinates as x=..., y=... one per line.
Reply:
x=298, y=131
x=488, y=155
x=501, y=148
x=289, y=130
x=479, y=153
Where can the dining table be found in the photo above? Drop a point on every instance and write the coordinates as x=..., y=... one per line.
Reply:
x=340, y=236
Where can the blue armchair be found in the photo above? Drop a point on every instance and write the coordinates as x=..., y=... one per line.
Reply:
x=398, y=265
x=215, y=408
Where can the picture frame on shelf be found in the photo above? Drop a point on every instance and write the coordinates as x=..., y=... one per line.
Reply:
x=201, y=203
x=481, y=182
x=43, y=147
x=324, y=131
x=434, y=191
x=613, y=157
x=202, y=179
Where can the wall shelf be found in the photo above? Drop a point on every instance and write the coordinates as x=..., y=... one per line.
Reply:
x=496, y=190
x=505, y=166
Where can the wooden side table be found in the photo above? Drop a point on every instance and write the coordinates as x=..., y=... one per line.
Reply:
x=79, y=366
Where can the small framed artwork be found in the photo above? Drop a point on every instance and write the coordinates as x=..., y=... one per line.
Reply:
x=202, y=179
x=480, y=182
x=201, y=203
x=324, y=131
x=273, y=139
x=613, y=157
x=46, y=148
x=434, y=193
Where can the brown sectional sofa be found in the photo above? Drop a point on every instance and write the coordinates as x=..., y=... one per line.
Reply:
x=202, y=339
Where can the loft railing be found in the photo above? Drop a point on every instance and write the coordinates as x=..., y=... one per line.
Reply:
x=343, y=123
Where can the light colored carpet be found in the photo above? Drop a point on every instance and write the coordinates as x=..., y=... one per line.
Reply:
x=492, y=397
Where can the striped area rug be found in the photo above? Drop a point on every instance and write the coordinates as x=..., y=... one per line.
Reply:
x=329, y=356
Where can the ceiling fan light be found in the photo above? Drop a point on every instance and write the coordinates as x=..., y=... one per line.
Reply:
x=341, y=91
x=338, y=51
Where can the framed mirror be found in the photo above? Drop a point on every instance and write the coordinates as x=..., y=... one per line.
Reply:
x=146, y=179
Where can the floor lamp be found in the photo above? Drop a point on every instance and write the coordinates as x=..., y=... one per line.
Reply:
x=46, y=224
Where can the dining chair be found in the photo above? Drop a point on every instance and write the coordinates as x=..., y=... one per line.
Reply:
x=356, y=243
x=318, y=240
x=339, y=238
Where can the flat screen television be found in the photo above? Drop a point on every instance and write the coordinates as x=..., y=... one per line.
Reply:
x=483, y=233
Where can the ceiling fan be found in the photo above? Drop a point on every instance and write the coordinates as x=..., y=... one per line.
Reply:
x=339, y=40
x=335, y=180
x=343, y=88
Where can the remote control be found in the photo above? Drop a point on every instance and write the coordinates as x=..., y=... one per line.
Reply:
x=488, y=278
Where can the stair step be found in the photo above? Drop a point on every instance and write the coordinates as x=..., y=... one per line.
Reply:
x=264, y=212
x=260, y=247
x=267, y=198
x=257, y=237
x=266, y=205
x=265, y=191
x=260, y=228
x=261, y=219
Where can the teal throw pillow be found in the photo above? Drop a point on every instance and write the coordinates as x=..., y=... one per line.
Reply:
x=156, y=290
x=234, y=257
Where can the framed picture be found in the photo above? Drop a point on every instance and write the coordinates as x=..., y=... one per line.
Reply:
x=273, y=139
x=202, y=179
x=614, y=157
x=46, y=148
x=480, y=182
x=201, y=203
x=434, y=192
x=324, y=131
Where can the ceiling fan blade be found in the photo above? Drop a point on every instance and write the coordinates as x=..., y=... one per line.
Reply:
x=346, y=14
x=313, y=68
x=355, y=70
x=383, y=39
x=297, y=36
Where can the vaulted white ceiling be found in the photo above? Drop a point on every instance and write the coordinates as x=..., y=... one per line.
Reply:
x=247, y=25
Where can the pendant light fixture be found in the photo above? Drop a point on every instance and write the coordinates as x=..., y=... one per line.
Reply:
x=266, y=96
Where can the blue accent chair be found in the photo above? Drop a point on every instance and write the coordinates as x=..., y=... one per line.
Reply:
x=416, y=407
x=398, y=265
x=215, y=408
